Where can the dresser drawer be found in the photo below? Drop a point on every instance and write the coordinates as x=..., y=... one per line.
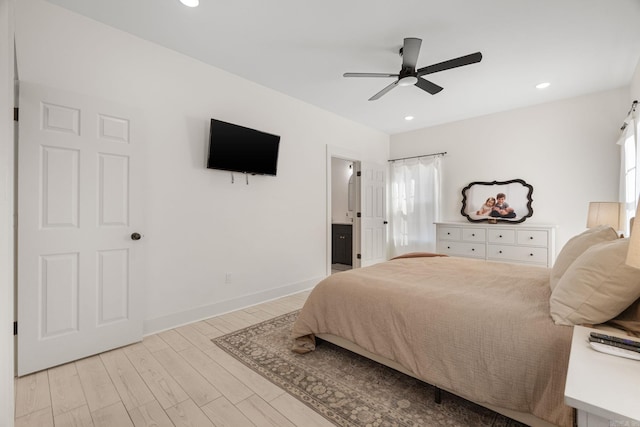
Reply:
x=533, y=237
x=449, y=233
x=518, y=253
x=474, y=250
x=474, y=234
x=501, y=236
x=515, y=243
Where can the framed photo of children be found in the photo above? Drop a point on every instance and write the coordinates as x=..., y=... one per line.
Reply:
x=507, y=201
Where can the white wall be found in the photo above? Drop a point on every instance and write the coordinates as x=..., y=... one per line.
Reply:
x=566, y=150
x=271, y=234
x=634, y=90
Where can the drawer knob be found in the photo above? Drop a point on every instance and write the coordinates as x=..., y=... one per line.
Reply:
x=499, y=252
x=473, y=234
x=448, y=234
x=448, y=247
x=473, y=249
x=531, y=238
x=500, y=236
x=530, y=254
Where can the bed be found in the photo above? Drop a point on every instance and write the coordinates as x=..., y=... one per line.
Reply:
x=489, y=332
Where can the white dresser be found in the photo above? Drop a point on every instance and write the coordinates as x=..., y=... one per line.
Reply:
x=519, y=243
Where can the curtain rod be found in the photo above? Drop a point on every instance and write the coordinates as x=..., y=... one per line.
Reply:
x=415, y=157
x=634, y=104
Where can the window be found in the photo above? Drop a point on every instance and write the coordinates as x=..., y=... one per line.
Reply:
x=629, y=177
x=415, y=204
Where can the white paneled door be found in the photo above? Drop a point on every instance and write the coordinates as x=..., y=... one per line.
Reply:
x=373, y=222
x=80, y=224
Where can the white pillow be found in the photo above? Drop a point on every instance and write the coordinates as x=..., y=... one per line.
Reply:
x=597, y=286
x=576, y=247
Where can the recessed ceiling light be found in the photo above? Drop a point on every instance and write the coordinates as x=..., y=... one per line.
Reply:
x=543, y=85
x=407, y=118
x=190, y=3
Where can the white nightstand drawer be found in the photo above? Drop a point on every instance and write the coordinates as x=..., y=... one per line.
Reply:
x=473, y=234
x=501, y=236
x=474, y=250
x=532, y=238
x=518, y=253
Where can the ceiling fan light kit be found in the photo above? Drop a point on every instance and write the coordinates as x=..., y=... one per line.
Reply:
x=408, y=74
x=190, y=3
x=408, y=81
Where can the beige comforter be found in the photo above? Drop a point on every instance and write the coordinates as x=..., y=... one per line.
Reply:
x=479, y=329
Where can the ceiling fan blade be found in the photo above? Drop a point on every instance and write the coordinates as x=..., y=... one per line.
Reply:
x=383, y=91
x=428, y=86
x=452, y=63
x=369, y=75
x=410, y=52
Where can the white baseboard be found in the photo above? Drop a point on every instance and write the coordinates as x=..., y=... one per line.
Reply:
x=159, y=324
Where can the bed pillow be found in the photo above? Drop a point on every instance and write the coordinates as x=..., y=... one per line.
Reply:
x=628, y=320
x=596, y=287
x=576, y=247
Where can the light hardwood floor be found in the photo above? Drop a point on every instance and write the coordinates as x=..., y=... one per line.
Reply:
x=174, y=378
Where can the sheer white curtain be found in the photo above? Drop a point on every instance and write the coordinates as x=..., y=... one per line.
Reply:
x=629, y=160
x=414, y=204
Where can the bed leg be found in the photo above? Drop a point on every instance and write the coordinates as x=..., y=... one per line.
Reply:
x=438, y=395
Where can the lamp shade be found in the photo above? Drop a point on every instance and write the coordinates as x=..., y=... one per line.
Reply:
x=606, y=213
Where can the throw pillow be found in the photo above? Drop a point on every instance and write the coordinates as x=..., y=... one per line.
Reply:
x=576, y=247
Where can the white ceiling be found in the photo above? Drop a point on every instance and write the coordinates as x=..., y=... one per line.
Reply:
x=302, y=48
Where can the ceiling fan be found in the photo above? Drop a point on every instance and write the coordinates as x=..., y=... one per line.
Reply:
x=408, y=75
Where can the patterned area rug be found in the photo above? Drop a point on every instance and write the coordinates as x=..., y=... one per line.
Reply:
x=348, y=389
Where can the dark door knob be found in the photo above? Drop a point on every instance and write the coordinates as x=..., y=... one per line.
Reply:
x=136, y=236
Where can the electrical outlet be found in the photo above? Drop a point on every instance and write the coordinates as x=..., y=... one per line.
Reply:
x=227, y=278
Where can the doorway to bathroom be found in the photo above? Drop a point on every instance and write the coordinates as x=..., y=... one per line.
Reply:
x=343, y=213
x=366, y=215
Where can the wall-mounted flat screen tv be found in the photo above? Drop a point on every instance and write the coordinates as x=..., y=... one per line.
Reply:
x=240, y=149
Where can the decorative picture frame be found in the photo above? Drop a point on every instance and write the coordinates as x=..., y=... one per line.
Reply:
x=517, y=196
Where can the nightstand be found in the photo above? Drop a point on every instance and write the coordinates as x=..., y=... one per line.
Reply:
x=604, y=389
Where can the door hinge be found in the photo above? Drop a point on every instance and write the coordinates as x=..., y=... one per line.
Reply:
x=15, y=114
x=15, y=328
x=359, y=173
x=358, y=256
x=359, y=214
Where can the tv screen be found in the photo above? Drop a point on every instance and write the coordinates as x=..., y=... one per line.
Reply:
x=239, y=149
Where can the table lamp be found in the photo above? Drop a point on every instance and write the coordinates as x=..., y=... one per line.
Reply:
x=606, y=213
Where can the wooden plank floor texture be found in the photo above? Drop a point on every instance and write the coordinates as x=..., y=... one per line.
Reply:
x=173, y=378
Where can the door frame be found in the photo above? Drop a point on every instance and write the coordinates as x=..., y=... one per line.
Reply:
x=343, y=154
x=7, y=210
